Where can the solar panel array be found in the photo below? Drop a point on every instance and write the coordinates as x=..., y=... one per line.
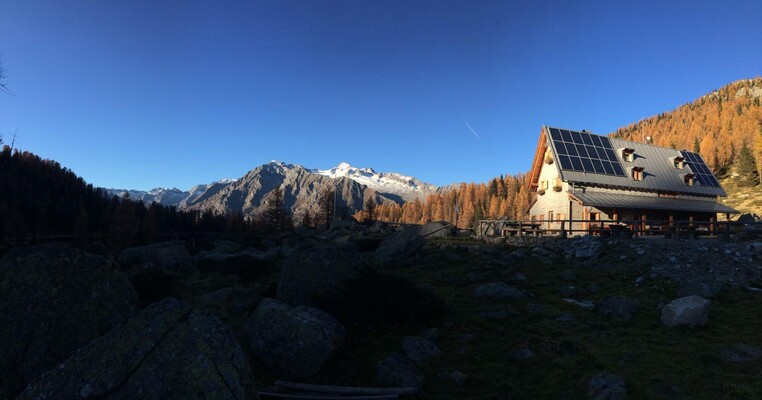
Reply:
x=703, y=175
x=585, y=152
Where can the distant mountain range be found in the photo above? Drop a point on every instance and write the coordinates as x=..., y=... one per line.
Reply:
x=302, y=188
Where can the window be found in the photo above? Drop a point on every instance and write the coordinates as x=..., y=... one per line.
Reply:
x=679, y=162
x=689, y=179
x=637, y=173
x=628, y=154
x=550, y=216
x=557, y=185
x=560, y=217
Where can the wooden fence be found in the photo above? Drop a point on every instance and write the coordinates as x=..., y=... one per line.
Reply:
x=609, y=228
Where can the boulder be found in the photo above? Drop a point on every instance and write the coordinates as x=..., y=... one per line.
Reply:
x=498, y=290
x=686, y=311
x=419, y=350
x=168, y=350
x=293, y=343
x=607, y=387
x=171, y=256
x=54, y=300
x=398, y=371
x=618, y=307
x=436, y=229
x=319, y=271
x=401, y=245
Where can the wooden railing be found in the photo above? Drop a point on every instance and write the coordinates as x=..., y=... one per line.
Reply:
x=609, y=228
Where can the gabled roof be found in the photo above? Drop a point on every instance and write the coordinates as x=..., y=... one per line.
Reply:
x=658, y=163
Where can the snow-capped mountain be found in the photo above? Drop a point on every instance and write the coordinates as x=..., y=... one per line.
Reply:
x=302, y=188
x=407, y=187
x=166, y=196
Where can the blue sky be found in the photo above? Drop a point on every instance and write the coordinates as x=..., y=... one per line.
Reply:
x=140, y=94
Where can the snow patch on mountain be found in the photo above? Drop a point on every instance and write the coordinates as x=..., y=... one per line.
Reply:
x=405, y=186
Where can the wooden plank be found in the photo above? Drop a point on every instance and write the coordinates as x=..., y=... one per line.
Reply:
x=344, y=389
x=273, y=395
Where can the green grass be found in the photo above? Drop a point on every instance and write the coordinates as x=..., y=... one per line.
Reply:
x=655, y=361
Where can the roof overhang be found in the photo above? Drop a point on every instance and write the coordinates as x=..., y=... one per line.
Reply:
x=539, y=155
x=620, y=200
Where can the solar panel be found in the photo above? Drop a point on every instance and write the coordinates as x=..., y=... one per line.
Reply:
x=703, y=175
x=585, y=152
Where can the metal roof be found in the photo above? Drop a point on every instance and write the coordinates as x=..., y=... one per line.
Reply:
x=659, y=172
x=623, y=200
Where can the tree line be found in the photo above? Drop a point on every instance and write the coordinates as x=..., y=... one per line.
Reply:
x=725, y=127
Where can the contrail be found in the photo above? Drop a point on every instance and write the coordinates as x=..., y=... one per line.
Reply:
x=472, y=130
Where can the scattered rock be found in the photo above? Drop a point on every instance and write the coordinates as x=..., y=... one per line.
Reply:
x=436, y=229
x=172, y=256
x=315, y=272
x=498, y=290
x=419, y=350
x=168, y=350
x=607, y=387
x=523, y=353
x=398, y=371
x=686, y=311
x=741, y=353
x=699, y=286
x=617, y=307
x=458, y=378
x=54, y=300
x=565, y=318
x=400, y=246
x=293, y=343
x=584, y=303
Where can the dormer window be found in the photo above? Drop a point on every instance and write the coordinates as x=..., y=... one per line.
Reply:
x=637, y=173
x=628, y=154
x=689, y=179
x=679, y=162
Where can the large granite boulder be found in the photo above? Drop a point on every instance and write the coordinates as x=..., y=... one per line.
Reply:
x=436, y=229
x=686, y=311
x=316, y=272
x=172, y=256
x=293, y=343
x=399, y=246
x=54, y=300
x=419, y=349
x=168, y=350
x=397, y=370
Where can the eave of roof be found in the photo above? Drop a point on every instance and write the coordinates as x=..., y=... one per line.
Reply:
x=623, y=200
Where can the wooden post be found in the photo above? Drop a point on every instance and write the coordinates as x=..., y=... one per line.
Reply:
x=616, y=216
x=563, y=229
x=690, y=220
x=521, y=230
x=642, y=222
x=677, y=230
x=712, y=221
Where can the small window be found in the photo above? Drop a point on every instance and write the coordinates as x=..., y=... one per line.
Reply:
x=637, y=173
x=628, y=154
x=679, y=162
x=550, y=216
x=690, y=179
x=560, y=217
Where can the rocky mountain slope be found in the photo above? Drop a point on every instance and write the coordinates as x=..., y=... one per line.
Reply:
x=302, y=189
